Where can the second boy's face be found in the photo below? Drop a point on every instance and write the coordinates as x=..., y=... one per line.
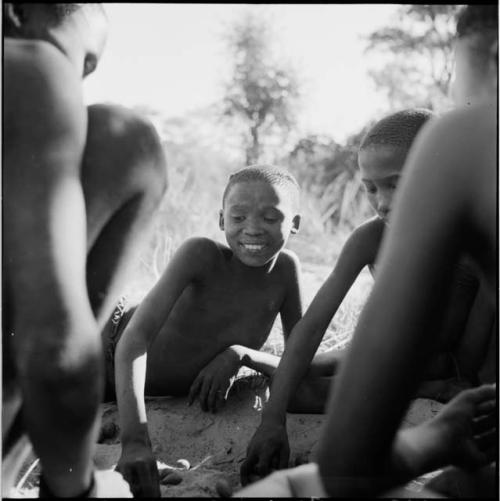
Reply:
x=258, y=218
x=380, y=168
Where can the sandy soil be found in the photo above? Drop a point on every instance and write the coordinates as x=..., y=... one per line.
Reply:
x=206, y=450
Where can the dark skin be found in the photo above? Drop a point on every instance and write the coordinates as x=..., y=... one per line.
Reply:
x=62, y=227
x=454, y=163
x=194, y=346
x=302, y=383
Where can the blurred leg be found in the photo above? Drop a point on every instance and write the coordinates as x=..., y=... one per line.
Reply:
x=124, y=180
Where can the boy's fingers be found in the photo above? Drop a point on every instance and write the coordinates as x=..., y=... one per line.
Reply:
x=487, y=441
x=487, y=422
x=247, y=469
x=195, y=387
x=482, y=393
x=205, y=388
x=283, y=458
x=486, y=407
x=212, y=397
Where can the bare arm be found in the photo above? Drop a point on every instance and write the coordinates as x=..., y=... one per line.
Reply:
x=141, y=331
x=269, y=445
x=472, y=350
x=55, y=341
x=359, y=250
x=396, y=331
x=137, y=463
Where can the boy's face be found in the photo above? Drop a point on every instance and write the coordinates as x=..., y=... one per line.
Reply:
x=80, y=37
x=258, y=218
x=380, y=168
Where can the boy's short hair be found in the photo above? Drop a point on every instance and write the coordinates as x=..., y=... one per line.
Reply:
x=59, y=12
x=398, y=130
x=268, y=174
x=480, y=24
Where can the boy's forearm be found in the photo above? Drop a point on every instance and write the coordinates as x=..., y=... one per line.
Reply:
x=293, y=367
x=260, y=361
x=130, y=377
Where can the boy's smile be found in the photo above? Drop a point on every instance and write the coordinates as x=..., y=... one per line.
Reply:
x=258, y=218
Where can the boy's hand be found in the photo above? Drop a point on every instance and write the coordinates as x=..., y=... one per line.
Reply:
x=469, y=429
x=214, y=380
x=137, y=464
x=268, y=450
x=464, y=434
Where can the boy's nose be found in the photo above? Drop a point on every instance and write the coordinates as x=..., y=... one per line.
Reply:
x=383, y=205
x=252, y=228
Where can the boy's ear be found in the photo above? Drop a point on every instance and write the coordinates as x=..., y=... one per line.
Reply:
x=221, y=220
x=295, y=224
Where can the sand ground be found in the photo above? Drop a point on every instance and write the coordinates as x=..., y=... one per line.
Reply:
x=206, y=450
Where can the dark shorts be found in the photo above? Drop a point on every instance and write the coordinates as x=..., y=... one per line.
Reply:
x=111, y=335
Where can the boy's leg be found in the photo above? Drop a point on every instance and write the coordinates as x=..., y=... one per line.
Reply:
x=124, y=179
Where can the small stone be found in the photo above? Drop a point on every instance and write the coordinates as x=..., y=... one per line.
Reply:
x=170, y=477
x=223, y=489
x=183, y=464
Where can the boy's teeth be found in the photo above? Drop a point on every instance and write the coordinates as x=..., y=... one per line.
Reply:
x=253, y=247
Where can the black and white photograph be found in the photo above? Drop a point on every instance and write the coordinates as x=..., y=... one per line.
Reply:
x=250, y=250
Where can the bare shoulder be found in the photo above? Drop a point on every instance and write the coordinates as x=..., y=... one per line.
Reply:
x=201, y=250
x=456, y=140
x=368, y=233
x=288, y=261
x=41, y=89
x=364, y=242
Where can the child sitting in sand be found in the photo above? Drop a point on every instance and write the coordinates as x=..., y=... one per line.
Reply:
x=210, y=312
x=382, y=155
x=447, y=207
x=79, y=187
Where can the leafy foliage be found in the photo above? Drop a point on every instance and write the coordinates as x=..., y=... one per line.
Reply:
x=417, y=52
x=263, y=90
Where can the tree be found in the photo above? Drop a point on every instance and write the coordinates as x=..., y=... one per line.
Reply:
x=418, y=54
x=328, y=171
x=262, y=91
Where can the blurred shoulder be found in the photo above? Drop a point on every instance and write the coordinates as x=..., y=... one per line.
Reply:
x=37, y=72
x=459, y=137
x=36, y=57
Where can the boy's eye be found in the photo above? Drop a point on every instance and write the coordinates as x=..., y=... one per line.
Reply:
x=392, y=186
x=270, y=219
x=370, y=189
x=238, y=219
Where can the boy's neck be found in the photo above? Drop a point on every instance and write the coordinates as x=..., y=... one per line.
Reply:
x=244, y=270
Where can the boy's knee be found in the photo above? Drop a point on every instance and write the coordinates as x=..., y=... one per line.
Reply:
x=132, y=145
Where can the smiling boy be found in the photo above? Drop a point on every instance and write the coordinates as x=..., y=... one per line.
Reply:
x=210, y=312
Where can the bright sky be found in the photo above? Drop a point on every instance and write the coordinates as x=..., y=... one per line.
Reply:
x=172, y=57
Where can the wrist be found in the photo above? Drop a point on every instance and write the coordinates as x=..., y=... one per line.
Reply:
x=273, y=417
x=239, y=353
x=137, y=439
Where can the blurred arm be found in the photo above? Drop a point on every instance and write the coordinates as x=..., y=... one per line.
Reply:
x=397, y=328
x=55, y=341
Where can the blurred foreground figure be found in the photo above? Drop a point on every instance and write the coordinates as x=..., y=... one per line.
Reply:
x=79, y=189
